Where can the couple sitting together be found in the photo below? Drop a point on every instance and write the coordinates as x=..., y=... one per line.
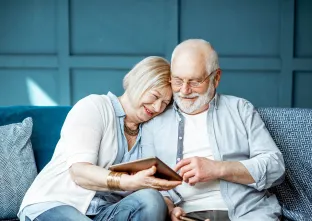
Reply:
x=217, y=143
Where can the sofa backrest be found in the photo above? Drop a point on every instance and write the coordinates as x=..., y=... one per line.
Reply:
x=291, y=128
x=47, y=123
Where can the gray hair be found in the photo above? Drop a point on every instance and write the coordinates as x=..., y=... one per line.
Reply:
x=212, y=62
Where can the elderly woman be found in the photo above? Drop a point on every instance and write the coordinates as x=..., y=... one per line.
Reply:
x=99, y=131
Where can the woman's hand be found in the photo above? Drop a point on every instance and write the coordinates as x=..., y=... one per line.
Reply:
x=175, y=213
x=145, y=179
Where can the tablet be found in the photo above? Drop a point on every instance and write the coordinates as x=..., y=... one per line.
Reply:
x=163, y=170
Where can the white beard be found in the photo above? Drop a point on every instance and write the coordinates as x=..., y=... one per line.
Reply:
x=189, y=107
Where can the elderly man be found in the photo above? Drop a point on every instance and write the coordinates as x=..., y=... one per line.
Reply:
x=218, y=143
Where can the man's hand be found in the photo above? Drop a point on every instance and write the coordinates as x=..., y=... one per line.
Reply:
x=198, y=169
x=201, y=169
x=176, y=213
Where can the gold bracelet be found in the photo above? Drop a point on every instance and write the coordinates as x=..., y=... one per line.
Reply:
x=113, y=180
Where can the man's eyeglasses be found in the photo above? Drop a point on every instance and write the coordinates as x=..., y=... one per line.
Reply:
x=178, y=82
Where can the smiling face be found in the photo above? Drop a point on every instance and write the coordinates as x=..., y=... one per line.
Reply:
x=153, y=102
x=195, y=75
x=191, y=67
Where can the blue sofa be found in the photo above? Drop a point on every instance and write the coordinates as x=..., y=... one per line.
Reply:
x=290, y=128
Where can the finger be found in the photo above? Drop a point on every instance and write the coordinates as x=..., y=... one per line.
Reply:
x=188, y=175
x=169, y=187
x=150, y=172
x=207, y=219
x=173, y=218
x=178, y=213
x=164, y=187
x=185, y=169
x=158, y=183
x=182, y=163
x=193, y=180
x=173, y=184
x=164, y=184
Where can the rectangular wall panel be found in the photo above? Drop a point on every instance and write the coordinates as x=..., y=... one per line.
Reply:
x=28, y=87
x=27, y=27
x=260, y=88
x=100, y=81
x=302, y=93
x=120, y=27
x=235, y=28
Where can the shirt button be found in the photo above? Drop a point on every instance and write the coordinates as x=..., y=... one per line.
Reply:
x=178, y=159
x=179, y=119
x=180, y=138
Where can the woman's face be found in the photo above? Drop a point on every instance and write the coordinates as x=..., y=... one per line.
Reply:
x=153, y=102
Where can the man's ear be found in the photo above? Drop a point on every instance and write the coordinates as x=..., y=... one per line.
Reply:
x=217, y=78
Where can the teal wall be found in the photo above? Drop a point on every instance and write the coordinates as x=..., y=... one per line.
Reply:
x=54, y=52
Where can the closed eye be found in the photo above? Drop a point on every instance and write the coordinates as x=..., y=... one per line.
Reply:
x=154, y=96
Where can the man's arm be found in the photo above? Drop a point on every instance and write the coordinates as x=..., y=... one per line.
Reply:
x=235, y=172
x=201, y=169
x=266, y=163
x=264, y=169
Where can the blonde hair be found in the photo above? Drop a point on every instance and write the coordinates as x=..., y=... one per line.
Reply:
x=151, y=73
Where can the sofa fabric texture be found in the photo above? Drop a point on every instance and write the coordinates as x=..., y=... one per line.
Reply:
x=291, y=129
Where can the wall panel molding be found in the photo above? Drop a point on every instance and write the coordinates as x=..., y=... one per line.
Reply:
x=63, y=52
x=287, y=52
x=256, y=40
x=249, y=63
x=28, y=61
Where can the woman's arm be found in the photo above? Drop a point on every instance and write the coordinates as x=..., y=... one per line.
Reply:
x=94, y=177
x=89, y=176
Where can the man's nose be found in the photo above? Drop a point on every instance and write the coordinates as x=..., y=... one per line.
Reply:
x=185, y=88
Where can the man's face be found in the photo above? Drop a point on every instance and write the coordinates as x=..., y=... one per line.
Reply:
x=191, y=99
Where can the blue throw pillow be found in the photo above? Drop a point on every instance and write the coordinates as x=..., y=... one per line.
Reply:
x=17, y=166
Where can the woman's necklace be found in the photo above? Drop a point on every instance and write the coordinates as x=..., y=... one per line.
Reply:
x=131, y=132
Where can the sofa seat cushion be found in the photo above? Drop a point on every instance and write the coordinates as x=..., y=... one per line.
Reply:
x=17, y=166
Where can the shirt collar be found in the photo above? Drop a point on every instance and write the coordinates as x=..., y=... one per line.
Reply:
x=119, y=111
x=213, y=103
